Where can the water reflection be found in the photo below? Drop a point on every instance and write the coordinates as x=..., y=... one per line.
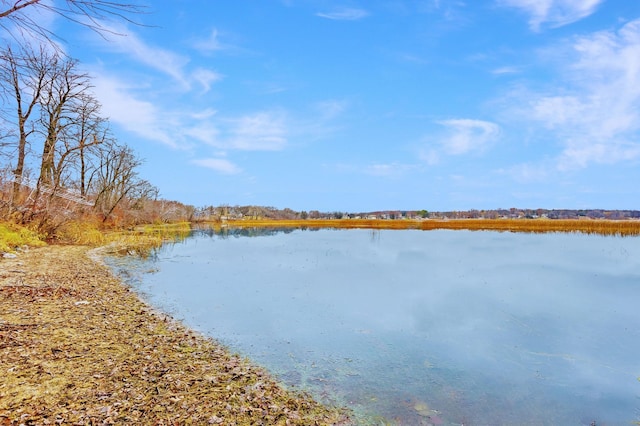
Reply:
x=438, y=327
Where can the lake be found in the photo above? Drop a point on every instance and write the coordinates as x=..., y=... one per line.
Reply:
x=419, y=327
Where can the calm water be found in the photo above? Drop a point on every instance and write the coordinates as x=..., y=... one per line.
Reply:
x=421, y=327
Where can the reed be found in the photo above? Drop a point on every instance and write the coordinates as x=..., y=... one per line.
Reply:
x=587, y=226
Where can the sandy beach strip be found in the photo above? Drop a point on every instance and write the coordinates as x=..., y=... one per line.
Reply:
x=77, y=346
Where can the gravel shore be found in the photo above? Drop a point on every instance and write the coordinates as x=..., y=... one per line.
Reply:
x=78, y=347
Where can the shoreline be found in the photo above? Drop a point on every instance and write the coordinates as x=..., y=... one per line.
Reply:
x=77, y=346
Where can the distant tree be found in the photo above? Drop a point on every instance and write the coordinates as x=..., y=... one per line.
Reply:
x=422, y=213
x=288, y=213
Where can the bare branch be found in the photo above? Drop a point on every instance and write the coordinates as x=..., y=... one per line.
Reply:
x=21, y=17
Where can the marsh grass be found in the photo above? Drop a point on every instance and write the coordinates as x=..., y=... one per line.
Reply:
x=84, y=233
x=143, y=240
x=587, y=226
x=12, y=237
x=139, y=241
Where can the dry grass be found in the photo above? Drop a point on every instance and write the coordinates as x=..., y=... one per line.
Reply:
x=603, y=227
x=77, y=347
x=140, y=241
x=14, y=236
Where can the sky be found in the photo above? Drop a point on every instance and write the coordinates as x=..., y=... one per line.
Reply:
x=354, y=105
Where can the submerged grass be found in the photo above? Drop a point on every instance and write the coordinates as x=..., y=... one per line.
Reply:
x=77, y=347
x=588, y=226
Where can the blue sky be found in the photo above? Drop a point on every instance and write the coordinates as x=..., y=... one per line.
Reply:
x=382, y=104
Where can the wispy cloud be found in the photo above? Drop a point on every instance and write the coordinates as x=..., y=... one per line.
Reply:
x=344, y=14
x=155, y=57
x=162, y=60
x=460, y=136
x=506, y=70
x=206, y=78
x=137, y=116
x=320, y=121
x=389, y=169
x=467, y=135
x=330, y=109
x=180, y=129
x=593, y=113
x=554, y=13
x=204, y=130
x=263, y=131
x=527, y=173
x=210, y=44
x=220, y=165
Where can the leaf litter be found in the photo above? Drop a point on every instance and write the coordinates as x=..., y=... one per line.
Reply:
x=78, y=347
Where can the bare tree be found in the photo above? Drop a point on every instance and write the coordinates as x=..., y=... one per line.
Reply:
x=116, y=180
x=82, y=130
x=90, y=130
x=20, y=17
x=22, y=78
x=61, y=99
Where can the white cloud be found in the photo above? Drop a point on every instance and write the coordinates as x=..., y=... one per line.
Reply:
x=581, y=155
x=204, y=114
x=137, y=116
x=506, y=70
x=467, y=135
x=210, y=44
x=206, y=78
x=595, y=111
x=220, y=165
x=203, y=131
x=344, y=14
x=163, y=60
x=555, y=13
x=263, y=131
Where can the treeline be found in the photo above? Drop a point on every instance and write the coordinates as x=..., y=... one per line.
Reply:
x=225, y=212
x=515, y=213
